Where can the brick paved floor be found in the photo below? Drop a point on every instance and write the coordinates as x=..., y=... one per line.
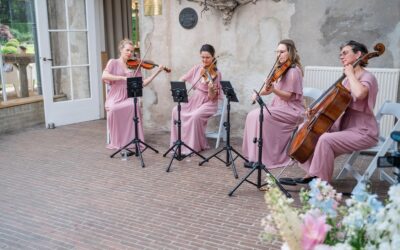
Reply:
x=60, y=190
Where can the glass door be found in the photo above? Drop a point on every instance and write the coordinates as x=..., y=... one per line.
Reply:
x=68, y=60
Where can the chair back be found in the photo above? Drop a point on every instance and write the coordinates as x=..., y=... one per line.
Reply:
x=313, y=93
x=221, y=112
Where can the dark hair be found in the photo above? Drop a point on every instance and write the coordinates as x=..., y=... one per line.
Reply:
x=293, y=56
x=355, y=47
x=208, y=48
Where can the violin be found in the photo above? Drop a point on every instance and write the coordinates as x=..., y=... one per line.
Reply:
x=275, y=74
x=133, y=63
x=209, y=73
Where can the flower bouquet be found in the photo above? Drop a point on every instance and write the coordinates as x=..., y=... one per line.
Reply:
x=323, y=222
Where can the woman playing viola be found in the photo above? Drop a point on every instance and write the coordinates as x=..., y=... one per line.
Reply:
x=286, y=109
x=205, y=80
x=120, y=108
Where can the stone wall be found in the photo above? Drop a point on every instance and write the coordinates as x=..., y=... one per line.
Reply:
x=246, y=45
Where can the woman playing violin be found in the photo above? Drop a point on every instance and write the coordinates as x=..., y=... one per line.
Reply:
x=205, y=80
x=286, y=109
x=357, y=128
x=118, y=106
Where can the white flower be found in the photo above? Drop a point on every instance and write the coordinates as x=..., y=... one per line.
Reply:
x=341, y=246
x=285, y=246
x=394, y=193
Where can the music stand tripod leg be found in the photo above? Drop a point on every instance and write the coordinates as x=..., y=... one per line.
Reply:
x=258, y=165
x=192, y=151
x=230, y=160
x=174, y=148
x=179, y=95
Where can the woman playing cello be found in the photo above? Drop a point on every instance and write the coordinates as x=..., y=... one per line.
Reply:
x=356, y=129
x=286, y=110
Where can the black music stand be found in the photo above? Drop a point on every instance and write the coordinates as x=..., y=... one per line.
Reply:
x=230, y=160
x=259, y=165
x=135, y=90
x=179, y=95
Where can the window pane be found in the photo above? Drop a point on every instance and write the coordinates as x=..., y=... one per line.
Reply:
x=62, y=85
x=77, y=14
x=80, y=81
x=59, y=48
x=56, y=10
x=79, y=50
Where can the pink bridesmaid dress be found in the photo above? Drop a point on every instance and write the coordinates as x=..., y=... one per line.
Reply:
x=195, y=113
x=120, y=108
x=277, y=127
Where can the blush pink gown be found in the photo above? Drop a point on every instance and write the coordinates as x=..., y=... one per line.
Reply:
x=195, y=113
x=120, y=108
x=277, y=127
x=356, y=130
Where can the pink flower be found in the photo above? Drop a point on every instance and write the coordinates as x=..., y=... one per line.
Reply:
x=314, y=230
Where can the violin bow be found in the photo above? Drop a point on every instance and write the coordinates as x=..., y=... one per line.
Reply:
x=268, y=76
x=141, y=60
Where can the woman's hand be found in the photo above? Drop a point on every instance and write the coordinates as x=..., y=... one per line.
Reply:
x=254, y=97
x=348, y=70
x=212, y=90
x=309, y=113
x=211, y=87
x=161, y=68
x=269, y=89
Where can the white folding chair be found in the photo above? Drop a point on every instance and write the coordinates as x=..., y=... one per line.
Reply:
x=220, y=133
x=384, y=145
x=314, y=94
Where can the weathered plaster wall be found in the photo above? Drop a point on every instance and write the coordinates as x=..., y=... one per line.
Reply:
x=246, y=46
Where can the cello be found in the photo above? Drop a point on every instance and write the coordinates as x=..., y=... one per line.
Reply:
x=326, y=110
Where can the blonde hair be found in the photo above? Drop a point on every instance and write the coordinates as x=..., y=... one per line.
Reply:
x=124, y=42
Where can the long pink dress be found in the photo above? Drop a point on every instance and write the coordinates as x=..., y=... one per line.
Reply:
x=120, y=108
x=195, y=113
x=356, y=130
x=278, y=127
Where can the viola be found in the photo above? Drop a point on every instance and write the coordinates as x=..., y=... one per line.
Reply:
x=325, y=111
x=279, y=71
x=275, y=74
x=133, y=63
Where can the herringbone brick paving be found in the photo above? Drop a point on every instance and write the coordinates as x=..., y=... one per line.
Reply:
x=59, y=189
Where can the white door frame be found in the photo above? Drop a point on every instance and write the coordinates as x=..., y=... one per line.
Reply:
x=70, y=111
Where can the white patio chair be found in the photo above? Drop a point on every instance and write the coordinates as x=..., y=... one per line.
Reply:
x=221, y=113
x=384, y=145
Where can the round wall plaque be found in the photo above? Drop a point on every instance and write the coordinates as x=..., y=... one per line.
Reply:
x=188, y=18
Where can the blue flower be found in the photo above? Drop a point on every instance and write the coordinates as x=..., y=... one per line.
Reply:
x=360, y=192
